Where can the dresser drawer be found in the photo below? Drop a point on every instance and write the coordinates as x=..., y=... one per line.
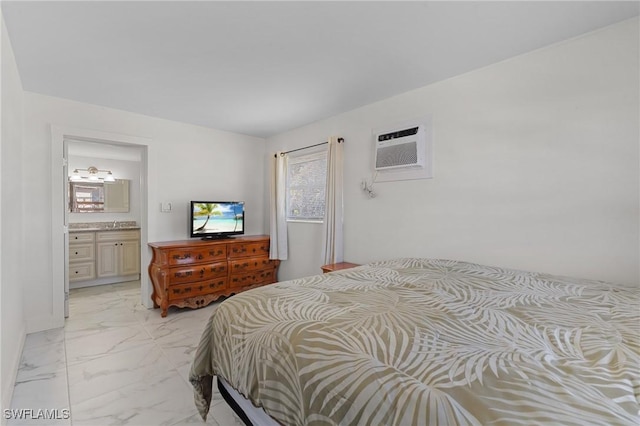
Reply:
x=82, y=271
x=81, y=237
x=265, y=276
x=183, y=291
x=81, y=252
x=197, y=272
x=249, y=264
x=187, y=256
x=248, y=249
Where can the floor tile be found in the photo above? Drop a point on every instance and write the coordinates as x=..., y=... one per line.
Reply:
x=44, y=338
x=162, y=400
x=197, y=420
x=41, y=361
x=44, y=392
x=82, y=347
x=180, y=348
x=115, y=362
x=224, y=415
x=114, y=371
x=115, y=317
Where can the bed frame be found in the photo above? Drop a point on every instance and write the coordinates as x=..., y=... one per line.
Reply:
x=248, y=413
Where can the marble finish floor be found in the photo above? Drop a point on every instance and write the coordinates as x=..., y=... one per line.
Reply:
x=115, y=363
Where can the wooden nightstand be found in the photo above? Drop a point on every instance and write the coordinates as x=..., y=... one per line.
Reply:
x=338, y=266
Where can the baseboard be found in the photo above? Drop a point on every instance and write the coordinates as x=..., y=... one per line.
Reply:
x=9, y=381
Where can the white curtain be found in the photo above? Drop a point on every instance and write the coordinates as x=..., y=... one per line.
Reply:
x=332, y=244
x=278, y=213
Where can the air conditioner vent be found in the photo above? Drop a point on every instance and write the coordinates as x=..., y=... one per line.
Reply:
x=405, y=154
x=402, y=148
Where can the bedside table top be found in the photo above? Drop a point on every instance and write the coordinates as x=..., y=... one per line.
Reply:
x=338, y=266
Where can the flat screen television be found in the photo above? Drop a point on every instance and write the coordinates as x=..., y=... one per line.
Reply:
x=216, y=219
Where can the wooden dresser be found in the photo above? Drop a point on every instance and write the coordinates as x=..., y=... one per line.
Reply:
x=194, y=273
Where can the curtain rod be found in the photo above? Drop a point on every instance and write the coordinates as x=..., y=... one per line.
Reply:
x=340, y=140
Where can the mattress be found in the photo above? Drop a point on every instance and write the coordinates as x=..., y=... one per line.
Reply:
x=428, y=341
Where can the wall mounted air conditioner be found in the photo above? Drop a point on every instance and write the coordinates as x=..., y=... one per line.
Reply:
x=403, y=148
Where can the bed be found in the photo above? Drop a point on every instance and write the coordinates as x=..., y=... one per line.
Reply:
x=426, y=342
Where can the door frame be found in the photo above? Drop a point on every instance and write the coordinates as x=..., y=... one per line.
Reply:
x=59, y=225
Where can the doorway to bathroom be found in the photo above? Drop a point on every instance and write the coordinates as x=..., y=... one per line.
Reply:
x=117, y=159
x=104, y=214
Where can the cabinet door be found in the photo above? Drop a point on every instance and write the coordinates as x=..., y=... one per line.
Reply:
x=107, y=259
x=129, y=258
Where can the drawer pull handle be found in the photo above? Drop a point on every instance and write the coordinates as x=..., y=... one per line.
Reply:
x=184, y=256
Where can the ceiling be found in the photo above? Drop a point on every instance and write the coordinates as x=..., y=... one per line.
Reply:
x=262, y=68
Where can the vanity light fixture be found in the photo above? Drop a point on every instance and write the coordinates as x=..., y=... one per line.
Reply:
x=93, y=175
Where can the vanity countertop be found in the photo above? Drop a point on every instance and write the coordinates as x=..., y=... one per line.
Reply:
x=103, y=226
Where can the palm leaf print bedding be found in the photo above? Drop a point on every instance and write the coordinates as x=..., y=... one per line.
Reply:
x=426, y=342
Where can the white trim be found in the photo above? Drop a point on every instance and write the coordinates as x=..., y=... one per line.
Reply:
x=7, y=393
x=65, y=228
x=55, y=318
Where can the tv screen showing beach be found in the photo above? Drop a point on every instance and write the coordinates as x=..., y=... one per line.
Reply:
x=222, y=217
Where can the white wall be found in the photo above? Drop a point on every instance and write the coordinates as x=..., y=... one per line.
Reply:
x=12, y=317
x=185, y=162
x=536, y=167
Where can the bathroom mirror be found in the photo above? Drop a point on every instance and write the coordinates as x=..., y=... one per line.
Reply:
x=99, y=197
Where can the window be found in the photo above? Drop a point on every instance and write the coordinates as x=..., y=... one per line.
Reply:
x=306, y=182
